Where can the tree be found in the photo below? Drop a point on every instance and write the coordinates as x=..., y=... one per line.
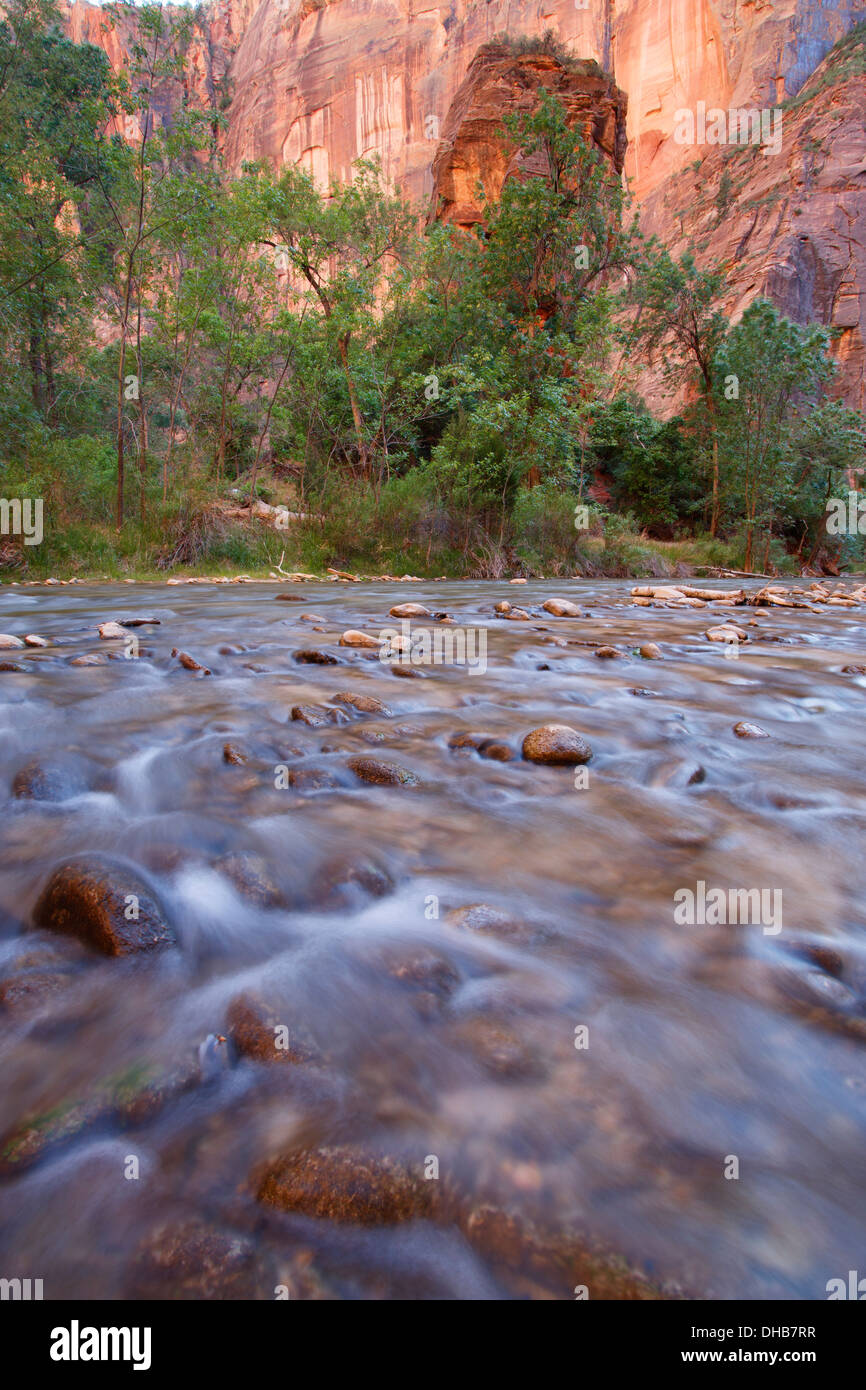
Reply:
x=676, y=315
x=779, y=370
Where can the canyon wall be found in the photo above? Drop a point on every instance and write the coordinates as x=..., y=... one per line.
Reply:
x=322, y=84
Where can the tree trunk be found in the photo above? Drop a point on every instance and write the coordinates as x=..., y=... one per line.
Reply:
x=343, y=343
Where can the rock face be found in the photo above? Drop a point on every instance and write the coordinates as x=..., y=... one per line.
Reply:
x=790, y=227
x=323, y=84
x=475, y=150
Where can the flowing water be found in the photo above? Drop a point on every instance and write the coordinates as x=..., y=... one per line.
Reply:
x=577, y=1058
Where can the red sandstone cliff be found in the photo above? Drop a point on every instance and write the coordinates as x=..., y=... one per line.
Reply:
x=323, y=83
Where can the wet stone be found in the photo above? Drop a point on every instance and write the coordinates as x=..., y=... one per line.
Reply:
x=311, y=657
x=382, y=774
x=556, y=745
x=105, y=904
x=348, y=1185
x=263, y=1030
x=364, y=704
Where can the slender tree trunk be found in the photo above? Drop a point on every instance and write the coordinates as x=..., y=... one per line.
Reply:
x=142, y=417
x=343, y=343
x=121, y=366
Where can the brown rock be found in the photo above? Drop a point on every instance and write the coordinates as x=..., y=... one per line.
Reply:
x=260, y=1029
x=347, y=1185
x=354, y=638
x=190, y=1261
x=651, y=652
x=382, y=774
x=410, y=610
x=189, y=662
x=561, y=608
x=365, y=704
x=89, y=898
x=251, y=877
x=318, y=716
x=746, y=730
x=315, y=658
x=556, y=744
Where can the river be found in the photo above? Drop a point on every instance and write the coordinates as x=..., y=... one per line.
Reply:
x=687, y=1099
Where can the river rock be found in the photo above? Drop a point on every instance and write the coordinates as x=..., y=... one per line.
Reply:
x=311, y=657
x=651, y=652
x=32, y=640
x=607, y=653
x=233, y=754
x=189, y=663
x=261, y=1029
x=354, y=638
x=382, y=774
x=35, y=782
x=8, y=642
x=351, y=873
x=410, y=610
x=557, y=745
x=364, y=704
x=487, y=920
x=107, y=631
x=503, y=606
x=517, y=615
x=89, y=897
x=313, y=779
x=12, y=666
x=349, y=1185
x=249, y=874
x=189, y=1262
x=746, y=730
x=561, y=608
x=726, y=632
x=496, y=1048
x=318, y=716
x=90, y=659
x=421, y=967
x=496, y=750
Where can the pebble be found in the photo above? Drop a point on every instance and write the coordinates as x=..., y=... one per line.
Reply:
x=354, y=638
x=746, y=730
x=651, y=652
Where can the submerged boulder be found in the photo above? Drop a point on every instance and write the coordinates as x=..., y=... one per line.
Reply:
x=104, y=903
